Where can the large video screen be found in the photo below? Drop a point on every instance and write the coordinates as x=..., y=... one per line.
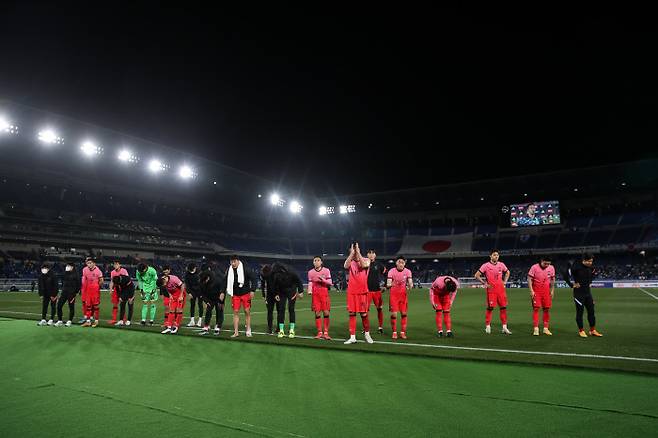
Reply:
x=535, y=213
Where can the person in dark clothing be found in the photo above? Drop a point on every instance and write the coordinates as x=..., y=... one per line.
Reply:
x=193, y=288
x=579, y=277
x=375, y=273
x=125, y=289
x=240, y=285
x=48, y=290
x=285, y=284
x=270, y=302
x=212, y=293
x=71, y=285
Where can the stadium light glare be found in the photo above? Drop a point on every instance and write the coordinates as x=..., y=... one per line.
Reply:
x=155, y=166
x=7, y=126
x=48, y=136
x=214, y=183
x=342, y=209
x=260, y=196
x=295, y=207
x=127, y=157
x=186, y=172
x=322, y=211
x=275, y=199
x=90, y=149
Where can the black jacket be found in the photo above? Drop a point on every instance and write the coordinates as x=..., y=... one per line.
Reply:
x=250, y=281
x=283, y=280
x=71, y=282
x=123, y=285
x=192, y=282
x=48, y=286
x=375, y=273
x=211, y=290
x=581, y=274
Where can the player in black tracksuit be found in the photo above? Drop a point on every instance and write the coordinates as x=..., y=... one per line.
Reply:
x=212, y=290
x=270, y=302
x=193, y=288
x=579, y=277
x=48, y=290
x=285, y=284
x=71, y=284
x=126, y=290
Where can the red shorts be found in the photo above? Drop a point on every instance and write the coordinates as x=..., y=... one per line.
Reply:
x=114, y=296
x=173, y=303
x=442, y=301
x=241, y=300
x=375, y=297
x=357, y=303
x=542, y=298
x=398, y=302
x=92, y=296
x=496, y=296
x=165, y=301
x=320, y=302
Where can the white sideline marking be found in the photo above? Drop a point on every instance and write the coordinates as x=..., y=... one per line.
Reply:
x=454, y=347
x=648, y=293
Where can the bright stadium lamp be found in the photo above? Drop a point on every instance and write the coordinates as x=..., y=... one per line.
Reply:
x=295, y=207
x=186, y=172
x=7, y=126
x=342, y=209
x=275, y=199
x=155, y=166
x=90, y=149
x=48, y=136
x=322, y=211
x=127, y=156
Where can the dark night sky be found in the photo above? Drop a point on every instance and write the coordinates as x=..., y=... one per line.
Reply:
x=343, y=100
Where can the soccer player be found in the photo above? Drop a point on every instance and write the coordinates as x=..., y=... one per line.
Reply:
x=357, y=292
x=541, y=281
x=442, y=295
x=71, y=284
x=118, y=270
x=213, y=294
x=176, y=293
x=48, y=291
x=287, y=287
x=126, y=291
x=399, y=280
x=319, y=282
x=193, y=287
x=240, y=285
x=164, y=291
x=146, y=279
x=579, y=277
x=92, y=280
x=494, y=283
x=375, y=287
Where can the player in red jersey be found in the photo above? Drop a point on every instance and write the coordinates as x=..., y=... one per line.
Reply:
x=495, y=275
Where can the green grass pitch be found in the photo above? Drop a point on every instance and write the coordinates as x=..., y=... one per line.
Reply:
x=132, y=381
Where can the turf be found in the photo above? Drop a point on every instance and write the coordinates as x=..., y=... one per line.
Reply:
x=108, y=382
x=627, y=317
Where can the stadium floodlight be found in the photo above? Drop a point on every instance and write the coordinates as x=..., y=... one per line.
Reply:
x=48, y=136
x=322, y=211
x=186, y=172
x=156, y=166
x=275, y=199
x=127, y=157
x=90, y=149
x=295, y=207
x=342, y=209
x=260, y=196
x=7, y=126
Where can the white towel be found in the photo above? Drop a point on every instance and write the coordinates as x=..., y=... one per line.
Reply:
x=231, y=278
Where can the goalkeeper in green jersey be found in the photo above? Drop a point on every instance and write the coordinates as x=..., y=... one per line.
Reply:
x=146, y=285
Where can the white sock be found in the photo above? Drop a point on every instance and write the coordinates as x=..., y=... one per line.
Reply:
x=352, y=337
x=504, y=326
